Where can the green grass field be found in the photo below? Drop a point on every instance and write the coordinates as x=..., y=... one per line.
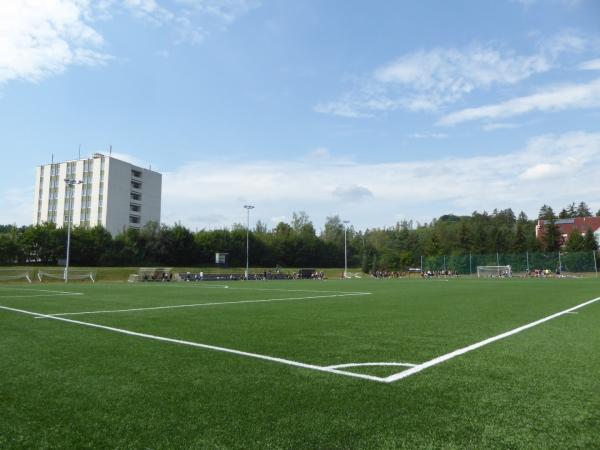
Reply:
x=256, y=364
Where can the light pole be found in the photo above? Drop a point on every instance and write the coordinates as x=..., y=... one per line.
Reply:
x=70, y=186
x=346, y=222
x=248, y=208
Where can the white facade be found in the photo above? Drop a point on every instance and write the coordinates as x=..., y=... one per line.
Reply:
x=113, y=193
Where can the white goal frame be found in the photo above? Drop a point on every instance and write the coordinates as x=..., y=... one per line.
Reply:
x=7, y=274
x=494, y=271
x=59, y=274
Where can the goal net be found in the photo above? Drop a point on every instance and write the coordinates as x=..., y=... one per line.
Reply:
x=155, y=274
x=15, y=275
x=59, y=274
x=494, y=271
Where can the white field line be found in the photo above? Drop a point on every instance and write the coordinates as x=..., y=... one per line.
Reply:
x=40, y=290
x=185, y=285
x=369, y=364
x=462, y=351
x=197, y=305
x=41, y=295
x=204, y=346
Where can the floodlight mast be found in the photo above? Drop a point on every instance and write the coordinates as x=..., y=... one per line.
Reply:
x=248, y=208
x=70, y=185
x=345, y=222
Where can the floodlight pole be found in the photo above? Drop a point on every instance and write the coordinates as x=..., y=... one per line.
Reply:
x=248, y=208
x=595, y=263
x=346, y=222
x=70, y=183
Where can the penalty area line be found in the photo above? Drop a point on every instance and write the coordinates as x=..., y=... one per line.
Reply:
x=274, y=359
x=197, y=305
x=470, y=348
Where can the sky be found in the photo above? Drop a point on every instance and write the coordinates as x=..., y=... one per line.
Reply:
x=374, y=111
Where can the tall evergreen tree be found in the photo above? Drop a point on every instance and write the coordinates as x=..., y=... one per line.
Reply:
x=546, y=213
x=583, y=210
x=589, y=241
x=551, y=237
x=575, y=241
x=520, y=241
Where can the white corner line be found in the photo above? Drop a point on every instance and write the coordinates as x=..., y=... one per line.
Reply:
x=197, y=305
x=372, y=364
x=204, y=346
x=462, y=351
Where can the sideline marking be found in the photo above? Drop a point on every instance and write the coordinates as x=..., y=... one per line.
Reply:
x=288, y=362
x=194, y=305
x=462, y=351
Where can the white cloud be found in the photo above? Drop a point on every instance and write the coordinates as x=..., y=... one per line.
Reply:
x=42, y=38
x=428, y=136
x=319, y=153
x=549, y=169
x=500, y=126
x=427, y=80
x=593, y=64
x=540, y=171
x=352, y=193
x=559, y=98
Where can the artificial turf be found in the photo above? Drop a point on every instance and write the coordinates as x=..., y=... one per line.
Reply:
x=65, y=385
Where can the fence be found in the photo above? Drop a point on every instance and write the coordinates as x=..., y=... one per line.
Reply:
x=566, y=262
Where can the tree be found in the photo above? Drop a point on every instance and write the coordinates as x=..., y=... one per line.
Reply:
x=589, y=241
x=520, y=241
x=571, y=211
x=598, y=213
x=551, y=238
x=575, y=242
x=546, y=213
x=583, y=210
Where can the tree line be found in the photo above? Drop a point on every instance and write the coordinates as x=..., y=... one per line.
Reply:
x=297, y=243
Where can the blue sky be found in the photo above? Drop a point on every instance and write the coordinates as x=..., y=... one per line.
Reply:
x=377, y=111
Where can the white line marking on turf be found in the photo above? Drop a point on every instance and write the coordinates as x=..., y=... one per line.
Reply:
x=198, y=285
x=462, y=351
x=41, y=290
x=204, y=346
x=41, y=295
x=196, y=305
x=368, y=364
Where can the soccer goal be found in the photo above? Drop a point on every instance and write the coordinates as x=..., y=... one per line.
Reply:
x=494, y=271
x=59, y=274
x=15, y=275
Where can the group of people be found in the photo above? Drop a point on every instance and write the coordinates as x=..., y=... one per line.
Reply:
x=439, y=273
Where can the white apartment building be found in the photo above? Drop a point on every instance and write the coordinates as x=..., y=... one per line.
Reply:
x=113, y=193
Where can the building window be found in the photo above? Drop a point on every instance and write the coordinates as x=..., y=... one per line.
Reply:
x=136, y=173
x=136, y=196
x=135, y=208
x=134, y=219
x=136, y=184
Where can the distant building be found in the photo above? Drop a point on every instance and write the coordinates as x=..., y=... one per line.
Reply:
x=113, y=193
x=567, y=225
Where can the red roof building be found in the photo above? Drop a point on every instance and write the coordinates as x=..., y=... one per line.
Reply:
x=567, y=225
